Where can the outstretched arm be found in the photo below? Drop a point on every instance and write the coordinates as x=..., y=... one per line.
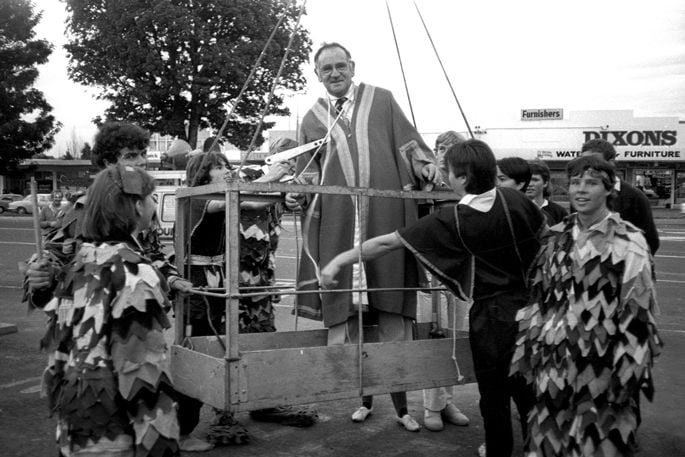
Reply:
x=371, y=249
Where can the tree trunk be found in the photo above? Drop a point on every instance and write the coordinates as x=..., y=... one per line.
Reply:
x=193, y=125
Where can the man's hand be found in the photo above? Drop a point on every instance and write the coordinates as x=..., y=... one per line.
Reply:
x=40, y=274
x=294, y=201
x=430, y=173
x=328, y=274
x=276, y=172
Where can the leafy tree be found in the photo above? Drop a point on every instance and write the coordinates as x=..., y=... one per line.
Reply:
x=26, y=125
x=86, y=151
x=167, y=63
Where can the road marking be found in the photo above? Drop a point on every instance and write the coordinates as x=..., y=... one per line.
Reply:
x=10, y=287
x=10, y=228
x=671, y=256
x=670, y=280
x=661, y=330
x=31, y=390
x=23, y=381
x=17, y=242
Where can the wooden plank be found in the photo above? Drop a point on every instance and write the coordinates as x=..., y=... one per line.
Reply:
x=298, y=376
x=274, y=340
x=199, y=376
x=412, y=365
x=307, y=375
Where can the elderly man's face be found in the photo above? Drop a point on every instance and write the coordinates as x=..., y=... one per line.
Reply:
x=335, y=71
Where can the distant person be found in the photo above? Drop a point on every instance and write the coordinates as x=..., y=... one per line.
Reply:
x=631, y=204
x=50, y=216
x=513, y=172
x=538, y=192
x=210, y=146
x=442, y=144
x=438, y=403
x=588, y=337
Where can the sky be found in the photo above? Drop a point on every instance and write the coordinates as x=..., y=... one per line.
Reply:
x=500, y=57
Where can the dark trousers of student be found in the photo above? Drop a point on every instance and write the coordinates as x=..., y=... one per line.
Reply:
x=492, y=334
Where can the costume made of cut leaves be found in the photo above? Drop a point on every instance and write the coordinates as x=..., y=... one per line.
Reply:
x=108, y=375
x=61, y=245
x=588, y=338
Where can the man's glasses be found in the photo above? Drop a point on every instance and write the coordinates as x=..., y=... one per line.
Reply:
x=327, y=70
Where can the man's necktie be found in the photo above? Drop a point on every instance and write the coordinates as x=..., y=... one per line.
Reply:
x=339, y=104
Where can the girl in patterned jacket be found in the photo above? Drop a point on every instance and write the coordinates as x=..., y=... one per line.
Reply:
x=108, y=377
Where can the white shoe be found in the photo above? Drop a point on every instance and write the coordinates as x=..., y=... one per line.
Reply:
x=432, y=420
x=482, y=451
x=361, y=414
x=409, y=423
x=189, y=443
x=452, y=414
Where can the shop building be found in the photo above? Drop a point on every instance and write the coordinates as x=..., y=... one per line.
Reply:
x=650, y=150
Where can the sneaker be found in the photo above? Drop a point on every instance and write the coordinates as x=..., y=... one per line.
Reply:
x=432, y=420
x=452, y=415
x=189, y=443
x=409, y=423
x=482, y=451
x=361, y=414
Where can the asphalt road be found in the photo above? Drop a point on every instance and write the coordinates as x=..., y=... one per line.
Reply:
x=26, y=429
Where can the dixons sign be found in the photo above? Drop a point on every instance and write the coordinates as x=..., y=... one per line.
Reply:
x=634, y=137
x=631, y=145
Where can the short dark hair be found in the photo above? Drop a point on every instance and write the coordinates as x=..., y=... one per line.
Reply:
x=517, y=169
x=475, y=160
x=599, y=167
x=332, y=45
x=112, y=137
x=601, y=146
x=209, y=142
x=110, y=211
x=539, y=167
x=199, y=165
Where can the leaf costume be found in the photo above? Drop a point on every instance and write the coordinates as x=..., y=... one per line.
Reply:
x=108, y=376
x=588, y=338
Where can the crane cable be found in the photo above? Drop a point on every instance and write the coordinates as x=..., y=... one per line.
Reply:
x=399, y=57
x=241, y=93
x=443, y=70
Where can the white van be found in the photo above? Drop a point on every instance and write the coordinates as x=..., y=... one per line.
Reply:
x=166, y=211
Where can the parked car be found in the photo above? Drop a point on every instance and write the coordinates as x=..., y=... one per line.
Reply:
x=25, y=205
x=6, y=199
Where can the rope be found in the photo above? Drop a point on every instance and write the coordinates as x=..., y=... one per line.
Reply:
x=273, y=88
x=443, y=70
x=297, y=263
x=242, y=91
x=399, y=57
x=211, y=325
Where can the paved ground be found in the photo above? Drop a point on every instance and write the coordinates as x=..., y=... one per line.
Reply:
x=26, y=429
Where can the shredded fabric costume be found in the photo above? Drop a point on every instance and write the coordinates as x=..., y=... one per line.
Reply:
x=62, y=244
x=588, y=339
x=259, y=230
x=108, y=375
